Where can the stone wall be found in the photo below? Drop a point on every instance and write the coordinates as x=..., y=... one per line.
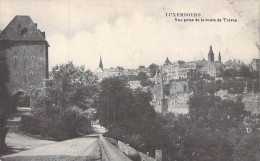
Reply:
x=27, y=63
x=251, y=100
x=179, y=103
x=128, y=150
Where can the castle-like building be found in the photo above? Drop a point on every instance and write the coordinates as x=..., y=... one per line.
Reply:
x=190, y=70
x=25, y=50
x=171, y=90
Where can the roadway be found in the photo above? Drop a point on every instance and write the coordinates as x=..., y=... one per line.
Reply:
x=85, y=148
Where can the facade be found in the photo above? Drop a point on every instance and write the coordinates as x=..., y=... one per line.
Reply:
x=190, y=70
x=255, y=64
x=211, y=68
x=234, y=64
x=26, y=52
x=102, y=72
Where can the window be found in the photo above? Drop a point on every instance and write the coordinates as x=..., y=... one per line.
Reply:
x=25, y=57
x=16, y=73
x=31, y=73
x=32, y=57
x=24, y=31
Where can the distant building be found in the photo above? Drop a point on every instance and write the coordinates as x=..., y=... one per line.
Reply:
x=255, y=64
x=117, y=71
x=106, y=72
x=234, y=64
x=190, y=70
x=211, y=67
x=25, y=49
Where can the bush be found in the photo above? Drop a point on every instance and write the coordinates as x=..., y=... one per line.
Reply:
x=30, y=124
x=56, y=122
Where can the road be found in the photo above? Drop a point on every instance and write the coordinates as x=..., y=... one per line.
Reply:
x=86, y=148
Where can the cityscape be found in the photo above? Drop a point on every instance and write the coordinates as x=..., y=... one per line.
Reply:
x=117, y=91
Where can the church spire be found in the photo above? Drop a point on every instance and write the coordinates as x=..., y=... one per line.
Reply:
x=100, y=63
x=210, y=54
x=219, y=57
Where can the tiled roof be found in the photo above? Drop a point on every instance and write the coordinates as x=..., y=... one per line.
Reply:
x=22, y=28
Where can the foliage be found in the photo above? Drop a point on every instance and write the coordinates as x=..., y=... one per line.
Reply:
x=212, y=129
x=30, y=124
x=62, y=107
x=143, y=78
x=229, y=73
x=72, y=86
x=248, y=148
x=245, y=71
x=152, y=69
x=125, y=113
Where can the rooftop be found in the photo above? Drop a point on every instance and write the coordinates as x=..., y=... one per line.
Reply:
x=22, y=28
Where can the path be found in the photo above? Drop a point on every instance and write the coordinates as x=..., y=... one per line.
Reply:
x=86, y=148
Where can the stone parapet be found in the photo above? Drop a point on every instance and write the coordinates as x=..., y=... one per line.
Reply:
x=109, y=152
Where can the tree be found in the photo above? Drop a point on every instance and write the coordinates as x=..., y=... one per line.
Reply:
x=72, y=86
x=245, y=71
x=113, y=102
x=152, y=69
x=248, y=148
x=4, y=103
x=229, y=73
x=62, y=107
x=213, y=119
x=127, y=114
x=143, y=78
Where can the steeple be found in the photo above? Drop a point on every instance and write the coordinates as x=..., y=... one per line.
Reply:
x=219, y=57
x=100, y=63
x=210, y=54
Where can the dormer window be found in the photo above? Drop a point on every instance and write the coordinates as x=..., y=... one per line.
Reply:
x=24, y=31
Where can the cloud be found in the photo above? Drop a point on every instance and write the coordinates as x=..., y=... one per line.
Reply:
x=133, y=33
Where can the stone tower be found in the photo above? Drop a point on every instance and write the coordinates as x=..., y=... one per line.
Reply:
x=163, y=100
x=210, y=55
x=26, y=52
x=219, y=57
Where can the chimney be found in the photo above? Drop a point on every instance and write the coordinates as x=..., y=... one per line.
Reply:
x=43, y=34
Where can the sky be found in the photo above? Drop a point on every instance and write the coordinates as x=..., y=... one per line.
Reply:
x=130, y=33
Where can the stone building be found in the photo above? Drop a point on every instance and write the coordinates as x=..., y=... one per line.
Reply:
x=211, y=67
x=255, y=65
x=26, y=52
